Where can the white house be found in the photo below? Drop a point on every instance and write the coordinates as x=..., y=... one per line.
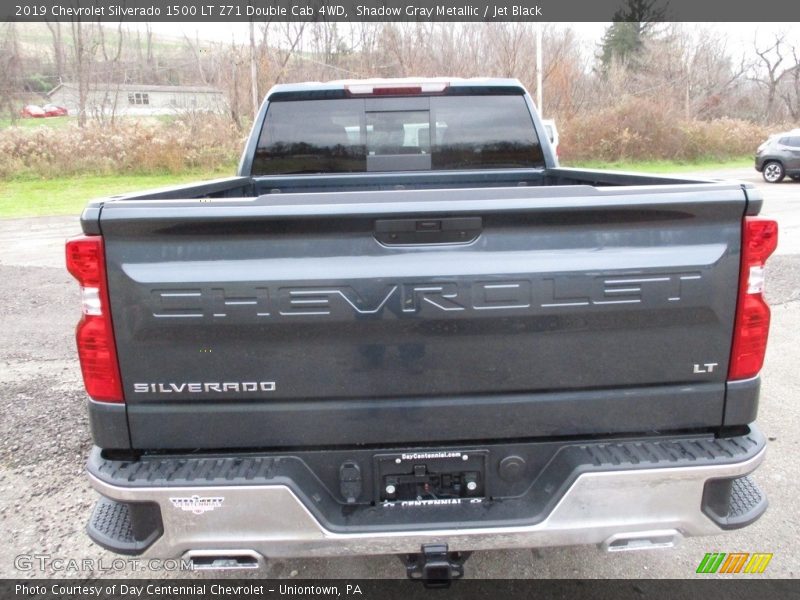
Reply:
x=139, y=99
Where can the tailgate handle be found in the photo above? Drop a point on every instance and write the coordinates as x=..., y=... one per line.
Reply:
x=430, y=230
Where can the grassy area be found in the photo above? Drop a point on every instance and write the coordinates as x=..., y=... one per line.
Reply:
x=58, y=122
x=663, y=166
x=64, y=196
x=54, y=122
x=36, y=197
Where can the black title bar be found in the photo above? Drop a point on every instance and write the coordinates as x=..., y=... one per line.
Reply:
x=399, y=10
x=344, y=589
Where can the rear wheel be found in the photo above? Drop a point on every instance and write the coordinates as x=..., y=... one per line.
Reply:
x=773, y=172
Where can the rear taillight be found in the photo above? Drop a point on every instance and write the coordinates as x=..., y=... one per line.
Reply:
x=759, y=240
x=95, y=335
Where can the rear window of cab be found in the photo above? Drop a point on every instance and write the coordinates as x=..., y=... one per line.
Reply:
x=353, y=135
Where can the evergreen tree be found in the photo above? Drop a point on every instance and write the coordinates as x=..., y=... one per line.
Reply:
x=632, y=24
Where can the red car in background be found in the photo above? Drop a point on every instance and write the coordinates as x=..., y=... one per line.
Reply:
x=51, y=110
x=39, y=112
x=31, y=110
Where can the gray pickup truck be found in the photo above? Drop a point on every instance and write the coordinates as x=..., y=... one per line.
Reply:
x=404, y=329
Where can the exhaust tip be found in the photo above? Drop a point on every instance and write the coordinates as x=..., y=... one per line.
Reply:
x=224, y=560
x=642, y=540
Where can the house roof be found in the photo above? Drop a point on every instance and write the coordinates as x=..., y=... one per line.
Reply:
x=142, y=87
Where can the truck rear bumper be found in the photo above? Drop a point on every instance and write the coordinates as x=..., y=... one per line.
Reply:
x=620, y=508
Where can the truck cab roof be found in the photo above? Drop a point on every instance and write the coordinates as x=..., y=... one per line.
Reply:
x=433, y=84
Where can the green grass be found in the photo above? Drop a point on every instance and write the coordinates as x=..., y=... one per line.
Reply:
x=63, y=196
x=54, y=122
x=68, y=195
x=663, y=166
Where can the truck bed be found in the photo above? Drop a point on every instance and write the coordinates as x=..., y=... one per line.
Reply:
x=253, y=187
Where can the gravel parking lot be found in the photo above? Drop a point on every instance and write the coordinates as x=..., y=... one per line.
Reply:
x=45, y=499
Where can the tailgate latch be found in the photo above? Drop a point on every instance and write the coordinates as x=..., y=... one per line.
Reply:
x=435, y=230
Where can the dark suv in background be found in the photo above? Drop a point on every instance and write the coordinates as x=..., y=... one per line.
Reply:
x=779, y=156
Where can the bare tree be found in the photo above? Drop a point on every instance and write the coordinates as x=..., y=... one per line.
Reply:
x=149, y=43
x=770, y=69
x=289, y=37
x=407, y=47
x=83, y=49
x=196, y=50
x=58, y=48
x=327, y=47
x=253, y=70
x=110, y=79
x=10, y=70
x=696, y=71
x=513, y=50
x=364, y=44
x=144, y=65
x=790, y=86
x=565, y=77
x=235, y=62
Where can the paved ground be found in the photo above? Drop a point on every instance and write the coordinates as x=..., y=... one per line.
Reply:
x=45, y=500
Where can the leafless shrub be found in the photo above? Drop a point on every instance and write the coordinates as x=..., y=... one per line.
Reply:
x=641, y=129
x=132, y=146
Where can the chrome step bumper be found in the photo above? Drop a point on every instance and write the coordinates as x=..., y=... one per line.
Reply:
x=624, y=509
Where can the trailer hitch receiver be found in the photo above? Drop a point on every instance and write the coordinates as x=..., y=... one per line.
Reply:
x=435, y=566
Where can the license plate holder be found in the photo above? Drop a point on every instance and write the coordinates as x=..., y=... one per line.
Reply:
x=431, y=477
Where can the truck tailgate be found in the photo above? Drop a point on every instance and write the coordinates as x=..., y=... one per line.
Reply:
x=406, y=316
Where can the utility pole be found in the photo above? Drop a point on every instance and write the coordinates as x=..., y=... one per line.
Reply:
x=539, y=69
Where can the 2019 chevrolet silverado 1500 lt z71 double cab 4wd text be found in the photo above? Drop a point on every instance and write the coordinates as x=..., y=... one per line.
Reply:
x=402, y=328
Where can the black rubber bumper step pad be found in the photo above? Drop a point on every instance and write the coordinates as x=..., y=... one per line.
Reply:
x=734, y=503
x=125, y=528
